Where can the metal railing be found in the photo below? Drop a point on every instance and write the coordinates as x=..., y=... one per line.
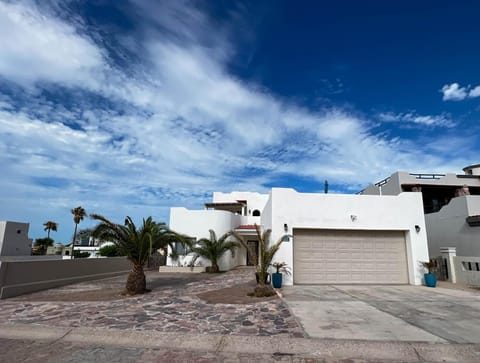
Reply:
x=427, y=176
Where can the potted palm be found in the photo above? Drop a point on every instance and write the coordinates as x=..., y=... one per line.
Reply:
x=430, y=277
x=277, y=276
x=266, y=252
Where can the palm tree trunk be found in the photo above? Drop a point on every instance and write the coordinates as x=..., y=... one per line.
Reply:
x=48, y=233
x=74, y=237
x=136, y=282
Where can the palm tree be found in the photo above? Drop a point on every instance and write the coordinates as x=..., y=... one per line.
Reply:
x=214, y=249
x=78, y=215
x=50, y=226
x=136, y=243
x=265, y=258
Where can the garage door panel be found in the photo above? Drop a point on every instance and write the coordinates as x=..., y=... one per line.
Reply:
x=339, y=256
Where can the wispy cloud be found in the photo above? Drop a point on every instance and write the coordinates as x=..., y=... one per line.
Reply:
x=443, y=120
x=453, y=92
x=39, y=48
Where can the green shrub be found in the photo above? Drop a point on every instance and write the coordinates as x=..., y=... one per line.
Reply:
x=110, y=251
x=78, y=254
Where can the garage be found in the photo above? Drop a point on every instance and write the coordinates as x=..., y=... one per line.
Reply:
x=349, y=257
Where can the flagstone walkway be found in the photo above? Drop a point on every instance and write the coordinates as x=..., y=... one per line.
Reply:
x=172, y=306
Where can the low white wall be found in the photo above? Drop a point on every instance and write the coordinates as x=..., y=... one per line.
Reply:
x=448, y=227
x=463, y=273
x=334, y=211
x=21, y=277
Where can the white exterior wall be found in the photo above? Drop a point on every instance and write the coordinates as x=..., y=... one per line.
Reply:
x=333, y=211
x=197, y=223
x=14, y=239
x=448, y=227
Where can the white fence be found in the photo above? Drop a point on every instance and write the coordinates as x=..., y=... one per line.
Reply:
x=467, y=270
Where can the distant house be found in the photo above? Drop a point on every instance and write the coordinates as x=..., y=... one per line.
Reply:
x=334, y=238
x=14, y=239
x=66, y=250
x=451, y=204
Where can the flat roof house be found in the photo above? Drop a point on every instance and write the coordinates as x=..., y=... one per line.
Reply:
x=14, y=239
x=334, y=238
x=451, y=204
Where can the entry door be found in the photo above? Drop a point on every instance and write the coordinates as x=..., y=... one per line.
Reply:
x=252, y=258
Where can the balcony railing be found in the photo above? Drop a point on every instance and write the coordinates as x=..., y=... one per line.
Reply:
x=427, y=176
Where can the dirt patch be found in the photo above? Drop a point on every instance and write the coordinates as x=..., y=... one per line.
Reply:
x=236, y=294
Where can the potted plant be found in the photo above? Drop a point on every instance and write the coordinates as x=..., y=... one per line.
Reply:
x=430, y=277
x=277, y=276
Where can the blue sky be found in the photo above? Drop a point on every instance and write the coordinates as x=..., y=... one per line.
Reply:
x=132, y=107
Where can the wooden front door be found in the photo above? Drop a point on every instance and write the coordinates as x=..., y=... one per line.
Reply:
x=252, y=258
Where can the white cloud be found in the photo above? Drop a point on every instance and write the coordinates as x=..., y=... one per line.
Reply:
x=412, y=117
x=474, y=92
x=172, y=129
x=37, y=47
x=453, y=92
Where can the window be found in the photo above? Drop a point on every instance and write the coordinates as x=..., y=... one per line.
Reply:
x=256, y=213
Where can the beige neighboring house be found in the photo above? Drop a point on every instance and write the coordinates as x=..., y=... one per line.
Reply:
x=66, y=250
x=333, y=238
x=14, y=240
x=451, y=203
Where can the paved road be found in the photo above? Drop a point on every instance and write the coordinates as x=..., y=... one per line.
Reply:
x=33, y=343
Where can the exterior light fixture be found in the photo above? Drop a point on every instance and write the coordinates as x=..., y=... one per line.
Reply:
x=417, y=228
x=285, y=227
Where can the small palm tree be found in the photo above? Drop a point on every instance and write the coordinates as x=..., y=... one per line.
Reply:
x=136, y=243
x=78, y=216
x=265, y=258
x=50, y=226
x=213, y=249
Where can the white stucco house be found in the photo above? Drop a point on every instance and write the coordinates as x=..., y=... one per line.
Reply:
x=451, y=205
x=334, y=238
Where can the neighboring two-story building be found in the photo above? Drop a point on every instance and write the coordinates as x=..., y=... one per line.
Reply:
x=451, y=204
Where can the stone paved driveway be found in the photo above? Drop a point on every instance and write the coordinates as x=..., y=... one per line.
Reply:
x=172, y=306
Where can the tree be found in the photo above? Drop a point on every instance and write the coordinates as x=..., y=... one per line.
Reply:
x=41, y=245
x=265, y=258
x=214, y=249
x=136, y=243
x=78, y=215
x=50, y=226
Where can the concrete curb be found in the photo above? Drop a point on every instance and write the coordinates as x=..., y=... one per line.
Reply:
x=318, y=348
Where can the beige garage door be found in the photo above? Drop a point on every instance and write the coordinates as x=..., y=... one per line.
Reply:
x=345, y=257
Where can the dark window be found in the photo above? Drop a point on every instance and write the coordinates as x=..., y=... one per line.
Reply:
x=256, y=213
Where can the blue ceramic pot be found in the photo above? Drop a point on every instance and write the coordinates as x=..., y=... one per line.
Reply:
x=277, y=280
x=430, y=280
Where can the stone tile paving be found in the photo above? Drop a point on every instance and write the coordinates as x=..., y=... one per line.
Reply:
x=170, y=308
